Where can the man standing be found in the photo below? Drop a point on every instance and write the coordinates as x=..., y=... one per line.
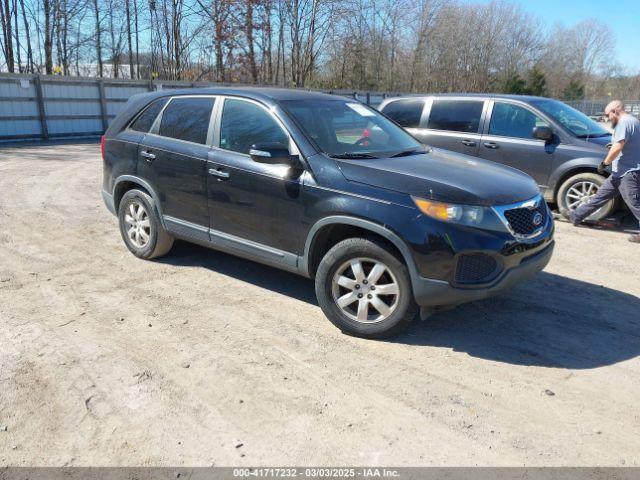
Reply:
x=624, y=158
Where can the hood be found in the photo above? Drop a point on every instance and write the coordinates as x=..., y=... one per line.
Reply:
x=604, y=141
x=445, y=176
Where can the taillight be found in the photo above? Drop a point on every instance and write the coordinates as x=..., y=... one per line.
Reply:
x=103, y=142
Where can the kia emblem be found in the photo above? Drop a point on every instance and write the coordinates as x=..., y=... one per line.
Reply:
x=537, y=219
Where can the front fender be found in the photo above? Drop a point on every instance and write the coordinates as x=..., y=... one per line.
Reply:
x=565, y=169
x=357, y=222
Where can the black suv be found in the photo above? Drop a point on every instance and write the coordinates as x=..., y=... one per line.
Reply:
x=328, y=188
x=557, y=145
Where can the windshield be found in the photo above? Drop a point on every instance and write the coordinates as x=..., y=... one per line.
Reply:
x=348, y=129
x=577, y=122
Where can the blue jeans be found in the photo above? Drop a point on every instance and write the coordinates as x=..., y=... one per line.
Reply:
x=628, y=187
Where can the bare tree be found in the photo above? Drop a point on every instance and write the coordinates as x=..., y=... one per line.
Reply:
x=16, y=34
x=137, y=33
x=129, y=39
x=219, y=13
x=578, y=54
x=7, y=36
x=98, y=27
x=398, y=45
x=308, y=22
x=48, y=10
x=249, y=28
x=25, y=22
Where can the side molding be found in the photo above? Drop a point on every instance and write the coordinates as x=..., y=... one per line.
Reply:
x=232, y=244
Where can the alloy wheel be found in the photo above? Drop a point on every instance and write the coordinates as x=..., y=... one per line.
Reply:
x=138, y=225
x=365, y=290
x=580, y=193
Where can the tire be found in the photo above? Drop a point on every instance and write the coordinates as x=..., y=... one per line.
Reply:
x=393, y=276
x=573, y=186
x=137, y=211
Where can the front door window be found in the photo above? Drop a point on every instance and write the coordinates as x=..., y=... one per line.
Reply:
x=510, y=120
x=245, y=123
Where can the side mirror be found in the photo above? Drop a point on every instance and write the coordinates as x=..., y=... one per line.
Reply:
x=271, y=153
x=543, y=133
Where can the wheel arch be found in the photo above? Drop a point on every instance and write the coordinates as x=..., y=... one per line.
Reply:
x=124, y=183
x=570, y=169
x=327, y=232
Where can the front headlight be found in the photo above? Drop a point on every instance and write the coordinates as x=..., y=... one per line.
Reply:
x=471, y=215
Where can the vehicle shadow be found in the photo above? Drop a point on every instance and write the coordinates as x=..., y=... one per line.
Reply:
x=276, y=280
x=621, y=221
x=549, y=321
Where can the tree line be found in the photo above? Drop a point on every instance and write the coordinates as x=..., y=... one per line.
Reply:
x=383, y=45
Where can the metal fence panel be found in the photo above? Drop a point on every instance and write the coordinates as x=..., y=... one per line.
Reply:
x=124, y=92
x=19, y=108
x=38, y=106
x=17, y=89
x=42, y=107
x=61, y=90
x=20, y=128
x=79, y=127
x=71, y=108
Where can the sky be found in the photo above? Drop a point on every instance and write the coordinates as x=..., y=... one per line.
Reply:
x=623, y=16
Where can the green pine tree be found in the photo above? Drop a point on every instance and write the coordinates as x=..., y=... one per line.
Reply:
x=537, y=82
x=515, y=84
x=574, y=91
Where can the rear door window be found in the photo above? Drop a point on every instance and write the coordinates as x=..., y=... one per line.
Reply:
x=187, y=119
x=509, y=120
x=406, y=113
x=147, y=117
x=456, y=115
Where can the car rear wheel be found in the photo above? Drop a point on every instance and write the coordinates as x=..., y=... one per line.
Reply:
x=364, y=289
x=140, y=226
x=579, y=189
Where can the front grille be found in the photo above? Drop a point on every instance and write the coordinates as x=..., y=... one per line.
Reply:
x=476, y=268
x=522, y=220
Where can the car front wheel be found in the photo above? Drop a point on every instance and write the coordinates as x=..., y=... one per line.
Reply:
x=579, y=189
x=365, y=289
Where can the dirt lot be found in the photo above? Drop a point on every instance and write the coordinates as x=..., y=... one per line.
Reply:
x=205, y=359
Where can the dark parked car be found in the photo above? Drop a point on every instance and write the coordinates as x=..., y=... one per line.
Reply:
x=327, y=188
x=557, y=145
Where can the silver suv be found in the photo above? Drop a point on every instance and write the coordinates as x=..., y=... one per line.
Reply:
x=557, y=145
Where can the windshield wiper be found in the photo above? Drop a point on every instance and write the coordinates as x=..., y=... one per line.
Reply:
x=405, y=153
x=352, y=155
x=595, y=135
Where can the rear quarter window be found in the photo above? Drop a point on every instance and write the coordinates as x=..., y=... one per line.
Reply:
x=406, y=113
x=456, y=115
x=145, y=120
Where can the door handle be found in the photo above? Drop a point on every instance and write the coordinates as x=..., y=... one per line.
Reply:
x=469, y=143
x=148, y=156
x=492, y=145
x=218, y=173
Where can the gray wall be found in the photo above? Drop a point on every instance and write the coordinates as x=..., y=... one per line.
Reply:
x=48, y=107
x=57, y=107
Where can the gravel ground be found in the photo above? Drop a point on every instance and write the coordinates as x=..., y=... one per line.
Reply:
x=201, y=358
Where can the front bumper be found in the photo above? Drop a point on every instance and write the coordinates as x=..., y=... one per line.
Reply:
x=438, y=293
